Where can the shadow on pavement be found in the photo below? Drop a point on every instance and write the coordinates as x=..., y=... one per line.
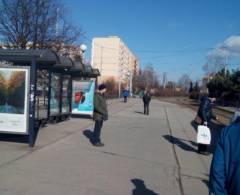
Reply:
x=85, y=116
x=179, y=142
x=14, y=138
x=17, y=138
x=88, y=134
x=138, y=112
x=194, y=125
x=215, y=129
x=140, y=188
x=206, y=182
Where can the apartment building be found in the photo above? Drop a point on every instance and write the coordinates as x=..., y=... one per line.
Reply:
x=114, y=60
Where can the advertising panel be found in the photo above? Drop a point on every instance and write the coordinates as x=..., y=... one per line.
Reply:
x=14, y=87
x=65, y=95
x=82, y=97
x=55, y=95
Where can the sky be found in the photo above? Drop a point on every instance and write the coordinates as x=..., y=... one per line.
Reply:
x=175, y=36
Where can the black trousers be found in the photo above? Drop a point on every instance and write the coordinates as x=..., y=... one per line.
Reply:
x=146, y=108
x=125, y=98
x=202, y=148
x=97, y=132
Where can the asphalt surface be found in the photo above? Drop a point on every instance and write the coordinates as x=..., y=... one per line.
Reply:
x=143, y=155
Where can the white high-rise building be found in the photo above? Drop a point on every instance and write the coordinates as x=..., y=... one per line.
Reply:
x=114, y=59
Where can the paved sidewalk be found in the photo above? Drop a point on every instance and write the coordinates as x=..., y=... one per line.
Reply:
x=138, y=156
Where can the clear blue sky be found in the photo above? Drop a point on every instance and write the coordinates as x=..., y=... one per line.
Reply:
x=173, y=35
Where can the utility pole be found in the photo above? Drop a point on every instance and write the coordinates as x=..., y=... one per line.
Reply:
x=119, y=80
x=131, y=78
x=57, y=25
x=225, y=67
x=164, y=79
x=101, y=62
x=226, y=59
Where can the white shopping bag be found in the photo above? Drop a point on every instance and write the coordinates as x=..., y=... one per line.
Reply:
x=203, y=135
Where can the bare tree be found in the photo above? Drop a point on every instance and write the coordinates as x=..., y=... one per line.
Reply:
x=184, y=82
x=36, y=24
x=139, y=83
x=213, y=65
x=150, y=76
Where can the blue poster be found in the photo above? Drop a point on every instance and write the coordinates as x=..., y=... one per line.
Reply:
x=82, y=97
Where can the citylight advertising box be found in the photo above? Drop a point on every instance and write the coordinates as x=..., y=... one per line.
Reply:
x=82, y=97
x=14, y=87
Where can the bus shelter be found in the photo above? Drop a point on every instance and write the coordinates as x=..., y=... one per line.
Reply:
x=35, y=87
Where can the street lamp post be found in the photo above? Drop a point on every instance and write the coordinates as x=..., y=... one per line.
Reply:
x=83, y=48
x=101, y=60
x=119, y=88
x=129, y=75
x=119, y=80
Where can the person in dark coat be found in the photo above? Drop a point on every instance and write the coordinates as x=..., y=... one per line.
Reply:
x=100, y=114
x=146, y=101
x=125, y=95
x=206, y=114
x=225, y=168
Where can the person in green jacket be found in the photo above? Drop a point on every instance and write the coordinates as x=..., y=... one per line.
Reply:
x=100, y=114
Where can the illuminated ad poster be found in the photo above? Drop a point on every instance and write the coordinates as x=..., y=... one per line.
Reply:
x=82, y=97
x=65, y=95
x=55, y=95
x=14, y=86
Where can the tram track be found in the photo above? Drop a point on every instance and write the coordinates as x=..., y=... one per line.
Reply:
x=224, y=116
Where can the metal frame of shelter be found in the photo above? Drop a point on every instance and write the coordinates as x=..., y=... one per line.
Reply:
x=52, y=64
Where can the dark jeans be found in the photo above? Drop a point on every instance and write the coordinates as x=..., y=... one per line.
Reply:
x=97, y=131
x=146, y=108
x=125, y=99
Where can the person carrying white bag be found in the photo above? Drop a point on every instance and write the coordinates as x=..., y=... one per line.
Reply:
x=205, y=114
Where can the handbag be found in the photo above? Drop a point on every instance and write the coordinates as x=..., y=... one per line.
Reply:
x=203, y=135
x=198, y=120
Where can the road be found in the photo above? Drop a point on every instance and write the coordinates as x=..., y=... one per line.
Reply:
x=148, y=155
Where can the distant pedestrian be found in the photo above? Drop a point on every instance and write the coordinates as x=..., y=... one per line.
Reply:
x=146, y=101
x=225, y=168
x=125, y=95
x=100, y=114
x=205, y=114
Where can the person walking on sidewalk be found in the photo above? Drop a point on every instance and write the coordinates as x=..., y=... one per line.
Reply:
x=125, y=95
x=100, y=114
x=205, y=113
x=146, y=101
x=225, y=168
